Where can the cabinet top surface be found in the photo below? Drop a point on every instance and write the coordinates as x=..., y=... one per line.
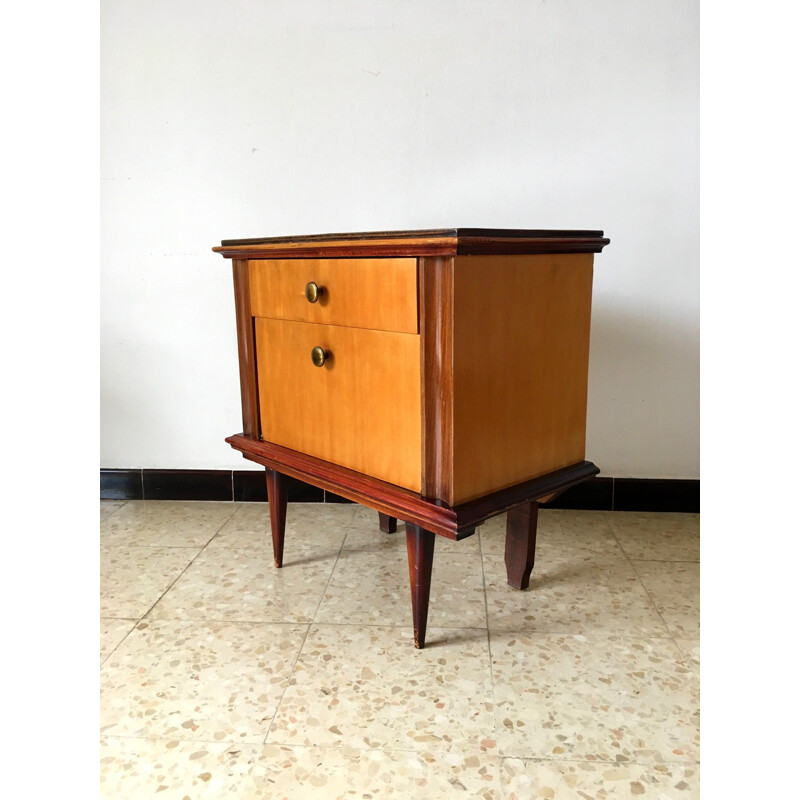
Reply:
x=439, y=241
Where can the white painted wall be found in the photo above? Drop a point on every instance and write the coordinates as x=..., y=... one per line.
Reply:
x=238, y=118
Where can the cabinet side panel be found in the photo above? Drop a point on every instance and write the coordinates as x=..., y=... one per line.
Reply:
x=436, y=331
x=247, y=351
x=520, y=368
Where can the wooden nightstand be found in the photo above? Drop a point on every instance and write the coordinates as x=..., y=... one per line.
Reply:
x=436, y=376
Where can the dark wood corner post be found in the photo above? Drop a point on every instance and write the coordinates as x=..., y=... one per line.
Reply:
x=420, y=563
x=277, y=496
x=521, y=543
x=388, y=524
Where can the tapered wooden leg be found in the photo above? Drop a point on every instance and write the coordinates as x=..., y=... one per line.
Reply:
x=420, y=561
x=388, y=524
x=276, y=494
x=521, y=543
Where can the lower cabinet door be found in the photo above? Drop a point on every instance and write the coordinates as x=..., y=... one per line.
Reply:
x=360, y=409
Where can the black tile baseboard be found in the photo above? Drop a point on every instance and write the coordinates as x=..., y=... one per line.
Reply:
x=187, y=484
x=598, y=494
x=250, y=486
x=121, y=484
x=654, y=494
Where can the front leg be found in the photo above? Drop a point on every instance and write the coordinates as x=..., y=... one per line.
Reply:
x=420, y=562
x=521, y=543
x=277, y=496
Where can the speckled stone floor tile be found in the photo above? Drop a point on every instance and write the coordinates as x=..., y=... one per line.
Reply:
x=585, y=686
x=584, y=780
x=371, y=588
x=558, y=530
x=245, y=585
x=369, y=688
x=658, y=536
x=197, y=681
x=165, y=523
x=573, y=594
x=691, y=652
x=109, y=507
x=341, y=773
x=311, y=529
x=133, y=578
x=675, y=589
x=132, y=768
x=112, y=632
x=364, y=534
x=614, y=699
x=138, y=768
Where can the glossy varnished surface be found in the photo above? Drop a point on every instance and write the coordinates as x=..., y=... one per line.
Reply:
x=360, y=410
x=375, y=293
x=386, y=498
x=445, y=241
x=520, y=368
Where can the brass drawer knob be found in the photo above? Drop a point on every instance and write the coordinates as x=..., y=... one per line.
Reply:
x=314, y=292
x=319, y=356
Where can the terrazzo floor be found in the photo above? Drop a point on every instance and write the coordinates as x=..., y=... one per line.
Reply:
x=222, y=677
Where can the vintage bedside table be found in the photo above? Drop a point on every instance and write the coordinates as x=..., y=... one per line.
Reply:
x=437, y=376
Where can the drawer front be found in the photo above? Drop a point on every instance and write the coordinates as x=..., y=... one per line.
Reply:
x=375, y=293
x=361, y=409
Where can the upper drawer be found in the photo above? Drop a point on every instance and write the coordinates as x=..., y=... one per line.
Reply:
x=376, y=293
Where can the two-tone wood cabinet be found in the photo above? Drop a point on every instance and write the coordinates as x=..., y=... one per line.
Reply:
x=439, y=377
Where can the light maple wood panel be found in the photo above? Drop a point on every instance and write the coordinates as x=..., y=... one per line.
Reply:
x=360, y=410
x=375, y=293
x=520, y=368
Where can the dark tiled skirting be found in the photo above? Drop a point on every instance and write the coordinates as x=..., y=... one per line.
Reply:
x=601, y=494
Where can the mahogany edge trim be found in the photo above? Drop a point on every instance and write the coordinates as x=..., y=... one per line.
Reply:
x=245, y=336
x=452, y=523
x=400, y=247
x=436, y=282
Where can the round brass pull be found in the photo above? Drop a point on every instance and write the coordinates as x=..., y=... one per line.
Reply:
x=319, y=356
x=314, y=292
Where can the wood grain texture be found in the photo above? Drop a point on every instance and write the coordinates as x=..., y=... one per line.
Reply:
x=360, y=410
x=375, y=293
x=520, y=368
x=277, y=497
x=247, y=353
x=444, y=241
x=420, y=544
x=521, y=544
x=452, y=523
x=386, y=523
x=436, y=330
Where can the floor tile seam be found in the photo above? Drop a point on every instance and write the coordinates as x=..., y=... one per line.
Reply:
x=286, y=686
x=222, y=621
x=655, y=606
x=180, y=575
x=435, y=751
x=593, y=635
x=134, y=622
x=121, y=505
x=406, y=626
x=157, y=738
x=596, y=632
x=153, y=546
x=488, y=636
x=621, y=764
x=303, y=643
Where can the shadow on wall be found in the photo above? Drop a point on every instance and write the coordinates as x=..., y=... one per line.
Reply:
x=644, y=392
